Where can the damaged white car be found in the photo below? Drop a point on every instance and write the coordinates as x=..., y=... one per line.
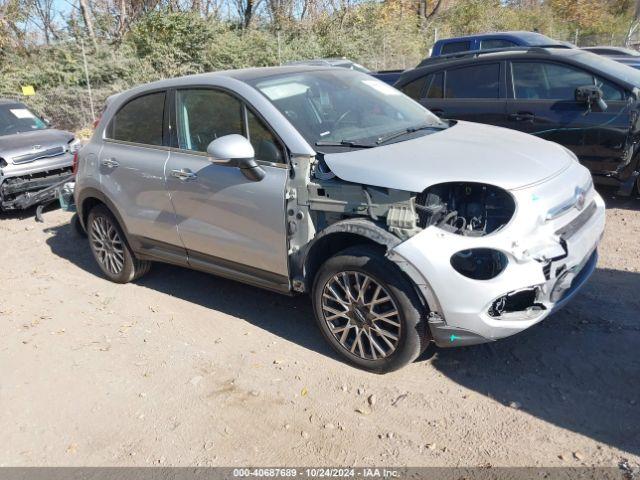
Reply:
x=404, y=228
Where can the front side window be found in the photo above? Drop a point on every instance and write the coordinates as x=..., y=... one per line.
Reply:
x=140, y=120
x=413, y=89
x=339, y=105
x=455, y=47
x=206, y=114
x=17, y=118
x=476, y=81
x=551, y=81
x=436, y=86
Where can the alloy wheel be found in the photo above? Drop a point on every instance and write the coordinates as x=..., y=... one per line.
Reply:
x=361, y=315
x=107, y=245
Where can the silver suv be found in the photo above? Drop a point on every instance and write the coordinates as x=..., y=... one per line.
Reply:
x=404, y=228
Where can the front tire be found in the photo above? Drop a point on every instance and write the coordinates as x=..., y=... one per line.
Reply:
x=369, y=311
x=110, y=249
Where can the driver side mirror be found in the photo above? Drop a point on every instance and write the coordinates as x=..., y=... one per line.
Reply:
x=591, y=95
x=236, y=151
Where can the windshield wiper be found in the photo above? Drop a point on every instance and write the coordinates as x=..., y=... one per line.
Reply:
x=343, y=143
x=399, y=133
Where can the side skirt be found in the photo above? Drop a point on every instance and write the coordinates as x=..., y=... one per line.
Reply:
x=166, y=253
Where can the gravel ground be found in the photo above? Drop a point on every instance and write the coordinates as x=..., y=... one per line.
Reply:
x=182, y=368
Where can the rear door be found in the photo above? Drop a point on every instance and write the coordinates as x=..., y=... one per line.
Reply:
x=132, y=162
x=542, y=102
x=474, y=93
x=225, y=220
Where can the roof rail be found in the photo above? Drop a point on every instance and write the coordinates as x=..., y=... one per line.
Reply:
x=478, y=53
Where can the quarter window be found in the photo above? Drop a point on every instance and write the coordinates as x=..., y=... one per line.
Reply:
x=140, y=120
x=476, y=81
x=550, y=81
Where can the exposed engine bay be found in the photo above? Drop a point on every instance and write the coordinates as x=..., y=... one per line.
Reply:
x=463, y=208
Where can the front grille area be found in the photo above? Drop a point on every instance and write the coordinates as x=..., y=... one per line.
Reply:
x=577, y=223
x=32, y=157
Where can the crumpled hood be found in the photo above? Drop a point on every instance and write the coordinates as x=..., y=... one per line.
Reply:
x=467, y=151
x=24, y=143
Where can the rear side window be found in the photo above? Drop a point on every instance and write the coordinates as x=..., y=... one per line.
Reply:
x=550, y=81
x=476, y=81
x=489, y=44
x=140, y=120
x=455, y=47
x=413, y=89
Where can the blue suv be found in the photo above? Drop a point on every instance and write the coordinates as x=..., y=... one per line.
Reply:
x=490, y=41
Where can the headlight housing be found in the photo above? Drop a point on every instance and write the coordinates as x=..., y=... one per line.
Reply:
x=465, y=208
x=74, y=145
x=479, y=263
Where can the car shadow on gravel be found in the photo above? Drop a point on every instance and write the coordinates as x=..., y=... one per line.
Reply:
x=579, y=369
x=290, y=318
x=612, y=200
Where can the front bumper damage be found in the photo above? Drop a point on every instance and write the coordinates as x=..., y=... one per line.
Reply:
x=26, y=185
x=547, y=266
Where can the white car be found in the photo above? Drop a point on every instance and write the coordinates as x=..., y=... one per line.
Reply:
x=404, y=228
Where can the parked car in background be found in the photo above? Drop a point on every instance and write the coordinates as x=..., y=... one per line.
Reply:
x=332, y=62
x=402, y=227
x=490, y=41
x=612, y=51
x=33, y=156
x=581, y=100
x=387, y=76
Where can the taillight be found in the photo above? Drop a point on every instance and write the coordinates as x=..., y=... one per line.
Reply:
x=75, y=163
x=96, y=122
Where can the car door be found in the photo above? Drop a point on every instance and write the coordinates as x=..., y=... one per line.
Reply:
x=542, y=102
x=227, y=222
x=472, y=92
x=131, y=164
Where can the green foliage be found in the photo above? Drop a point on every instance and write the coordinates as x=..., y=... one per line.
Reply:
x=378, y=35
x=173, y=43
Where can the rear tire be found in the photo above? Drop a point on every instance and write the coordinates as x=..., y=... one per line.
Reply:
x=369, y=311
x=110, y=249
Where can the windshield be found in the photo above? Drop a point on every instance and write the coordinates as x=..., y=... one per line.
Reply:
x=612, y=67
x=339, y=105
x=16, y=118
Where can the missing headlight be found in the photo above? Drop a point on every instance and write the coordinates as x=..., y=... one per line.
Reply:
x=465, y=208
x=479, y=263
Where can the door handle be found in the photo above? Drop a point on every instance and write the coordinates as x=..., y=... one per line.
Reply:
x=522, y=117
x=183, y=174
x=110, y=162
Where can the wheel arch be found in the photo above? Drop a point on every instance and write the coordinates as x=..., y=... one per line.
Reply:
x=338, y=237
x=90, y=198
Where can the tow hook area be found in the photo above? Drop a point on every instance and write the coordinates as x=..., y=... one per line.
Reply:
x=446, y=336
x=516, y=301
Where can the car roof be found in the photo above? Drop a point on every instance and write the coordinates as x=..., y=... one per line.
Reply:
x=9, y=101
x=538, y=53
x=512, y=34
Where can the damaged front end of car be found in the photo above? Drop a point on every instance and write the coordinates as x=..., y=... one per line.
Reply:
x=487, y=261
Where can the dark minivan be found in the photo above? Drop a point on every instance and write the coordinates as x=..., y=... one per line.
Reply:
x=586, y=102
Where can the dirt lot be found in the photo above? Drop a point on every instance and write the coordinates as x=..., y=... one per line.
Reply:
x=182, y=368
